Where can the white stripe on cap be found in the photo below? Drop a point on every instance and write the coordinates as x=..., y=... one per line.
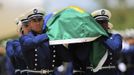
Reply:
x=35, y=15
x=99, y=17
x=24, y=20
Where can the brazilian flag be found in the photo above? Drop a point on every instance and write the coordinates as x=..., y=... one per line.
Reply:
x=74, y=25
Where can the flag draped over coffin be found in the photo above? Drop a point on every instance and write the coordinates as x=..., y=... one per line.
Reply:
x=74, y=25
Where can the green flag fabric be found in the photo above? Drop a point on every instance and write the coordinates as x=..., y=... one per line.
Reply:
x=98, y=55
x=73, y=25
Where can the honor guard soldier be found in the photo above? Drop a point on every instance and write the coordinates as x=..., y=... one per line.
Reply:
x=13, y=47
x=35, y=45
x=128, y=53
x=80, y=57
x=61, y=55
x=111, y=44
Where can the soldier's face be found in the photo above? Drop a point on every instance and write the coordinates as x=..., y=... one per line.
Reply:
x=36, y=24
x=103, y=23
x=26, y=30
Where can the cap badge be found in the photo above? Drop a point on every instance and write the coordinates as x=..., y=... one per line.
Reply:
x=35, y=11
x=103, y=12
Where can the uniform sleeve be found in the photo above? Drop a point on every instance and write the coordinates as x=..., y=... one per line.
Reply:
x=17, y=48
x=114, y=42
x=46, y=18
x=9, y=49
x=28, y=41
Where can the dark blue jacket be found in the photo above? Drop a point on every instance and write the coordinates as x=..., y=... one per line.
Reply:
x=60, y=52
x=35, y=48
x=114, y=42
x=14, y=52
x=113, y=45
x=81, y=51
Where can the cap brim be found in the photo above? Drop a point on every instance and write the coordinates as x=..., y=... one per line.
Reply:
x=35, y=15
x=102, y=18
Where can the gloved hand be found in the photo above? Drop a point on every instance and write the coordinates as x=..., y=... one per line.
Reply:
x=114, y=42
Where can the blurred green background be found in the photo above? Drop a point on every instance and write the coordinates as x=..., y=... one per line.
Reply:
x=123, y=18
x=122, y=13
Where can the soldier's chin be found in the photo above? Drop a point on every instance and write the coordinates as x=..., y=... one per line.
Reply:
x=38, y=31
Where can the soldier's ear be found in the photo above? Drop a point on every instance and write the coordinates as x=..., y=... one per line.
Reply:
x=110, y=25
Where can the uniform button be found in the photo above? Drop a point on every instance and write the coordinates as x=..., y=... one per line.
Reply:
x=53, y=46
x=110, y=63
x=54, y=51
x=35, y=59
x=36, y=50
x=53, y=60
x=111, y=58
x=36, y=55
x=54, y=56
x=80, y=68
x=34, y=68
x=110, y=54
x=35, y=64
x=52, y=65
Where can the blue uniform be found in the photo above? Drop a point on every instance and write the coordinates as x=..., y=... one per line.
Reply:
x=114, y=43
x=35, y=48
x=114, y=46
x=14, y=52
x=46, y=18
x=81, y=53
x=10, y=58
x=127, y=56
x=9, y=67
x=80, y=57
x=60, y=54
